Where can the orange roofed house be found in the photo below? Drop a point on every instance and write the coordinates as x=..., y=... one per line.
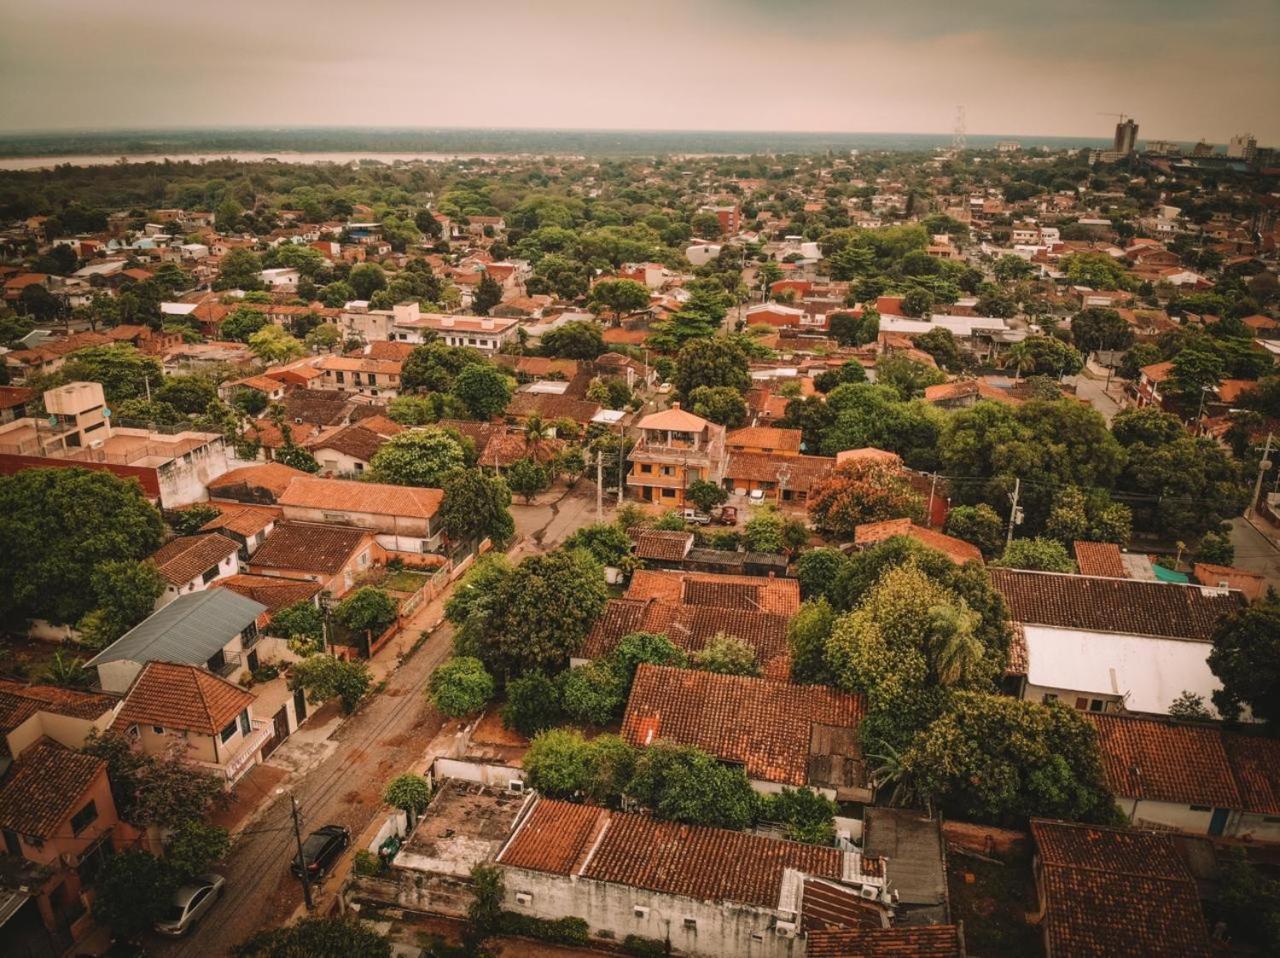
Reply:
x=676, y=448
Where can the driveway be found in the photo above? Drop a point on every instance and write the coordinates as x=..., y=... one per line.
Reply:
x=381, y=740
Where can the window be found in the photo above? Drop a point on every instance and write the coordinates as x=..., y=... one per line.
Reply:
x=228, y=732
x=11, y=843
x=209, y=575
x=245, y=726
x=1095, y=705
x=691, y=924
x=158, y=729
x=1201, y=808
x=668, y=493
x=1082, y=704
x=84, y=818
x=1050, y=697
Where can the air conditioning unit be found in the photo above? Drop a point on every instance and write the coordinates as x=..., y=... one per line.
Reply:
x=524, y=898
x=785, y=929
x=515, y=785
x=640, y=911
x=870, y=892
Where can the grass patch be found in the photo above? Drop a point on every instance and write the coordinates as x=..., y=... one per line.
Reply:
x=404, y=581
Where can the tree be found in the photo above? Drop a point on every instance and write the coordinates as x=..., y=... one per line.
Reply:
x=850, y=372
x=991, y=758
x=717, y=361
x=1010, y=267
x=592, y=694
x=560, y=763
x=417, y=457
x=527, y=478
x=242, y=324
x=1044, y=356
x=126, y=591
x=302, y=623
x=768, y=530
x=848, y=329
x=331, y=937
x=1095, y=270
x=807, y=635
x=706, y=495
x=816, y=570
x=1248, y=901
x=122, y=370
x=295, y=457
x=323, y=338
x=407, y=792
x=1189, y=706
x=726, y=655
x=1246, y=659
x=337, y=295
x=239, y=268
x=608, y=543
x=412, y=410
x=1196, y=369
x=154, y=790
x=941, y=345
x=272, y=344
x=367, y=609
x=1038, y=555
x=575, y=340
x=461, y=687
x=684, y=784
x=1216, y=549
x=475, y=505
x=195, y=847
x=907, y=376
x=618, y=296
x=365, y=279
x=533, y=704
x=187, y=394
x=541, y=612
x=80, y=519
x=1094, y=329
x=861, y=492
x=68, y=672
x=806, y=816
x=484, y=390
x=918, y=302
x=722, y=405
x=324, y=676
x=134, y=891
x=488, y=294
x=979, y=525
x=639, y=648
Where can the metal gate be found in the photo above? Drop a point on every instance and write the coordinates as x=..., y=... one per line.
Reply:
x=300, y=705
x=280, y=731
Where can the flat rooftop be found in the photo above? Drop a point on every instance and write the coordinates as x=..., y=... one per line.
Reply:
x=465, y=825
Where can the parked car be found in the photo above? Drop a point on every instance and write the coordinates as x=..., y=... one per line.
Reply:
x=756, y=496
x=190, y=903
x=696, y=517
x=322, y=848
x=727, y=516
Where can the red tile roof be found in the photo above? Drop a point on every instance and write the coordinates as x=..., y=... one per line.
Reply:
x=708, y=864
x=1100, y=558
x=272, y=591
x=798, y=473
x=1255, y=763
x=349, y=495
x=764, y=437
x=19, y=701
x=1118, y=893
x=765, y=726
x=272, y=478
x=242, y=520
x=1127, y=606
x=937, y=941
x=755, y=593
x=957, y=550
x=182, y=697
x=308, y=546
x=1164, y=762
x=182, y=559
x=46, y=787
x=661, y=545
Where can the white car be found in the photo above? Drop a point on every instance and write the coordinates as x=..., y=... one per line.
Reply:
x=756, y=496
x=190, y=903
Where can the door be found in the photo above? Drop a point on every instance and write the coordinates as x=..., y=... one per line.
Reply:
x=300, y=705
x=252, y=661
x=1218, y=823
x=279, y=731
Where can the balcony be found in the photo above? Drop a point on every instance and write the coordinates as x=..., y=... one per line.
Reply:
x=253, y=742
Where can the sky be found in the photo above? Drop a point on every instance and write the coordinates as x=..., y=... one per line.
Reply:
x=1185, y=69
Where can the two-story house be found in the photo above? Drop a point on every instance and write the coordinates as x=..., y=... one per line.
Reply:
x=401, y=518
x=676, y=448
x=192, y=563
x=215, y=629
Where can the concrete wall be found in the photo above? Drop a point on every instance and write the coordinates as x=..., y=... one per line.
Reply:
x=117, y=676
x=1258, y=828
x=1182, y=817
x=63, y=729
x=472, y=771
x=182, y=482
x=721, y=929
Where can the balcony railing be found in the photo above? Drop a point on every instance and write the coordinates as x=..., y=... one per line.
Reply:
x=261, y=734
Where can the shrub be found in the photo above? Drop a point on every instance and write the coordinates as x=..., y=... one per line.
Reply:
x=461, y=687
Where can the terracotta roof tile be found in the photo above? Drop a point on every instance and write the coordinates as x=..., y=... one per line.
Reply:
x=272, y=591
x=708, y=864
x=45, y=787
x=183, y=697
x=1101, y=559
x=765, y=437
x=1255, y=763
x=938, y=941
x=260, y=483
x=309, y=546
x=242, y=520
x=1164, y=762
x=798, y=472
x=661, y=545
x=182, y=559
x=755, y=593
x=349, y=495
x=1126, y=606
x=765, y=726
x=957, y=550
x=358, y=440
x=550, y=406
x=19, y=699
x=1119, y=893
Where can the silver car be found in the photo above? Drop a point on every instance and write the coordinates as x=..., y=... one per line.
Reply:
x=190, y=902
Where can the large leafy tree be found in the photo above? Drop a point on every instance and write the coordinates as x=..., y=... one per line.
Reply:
x=59, y=526
x=1246, y=659
x=575, y=340
x=195, y=847
x=154, y=790
x=618, y=296
x=330, y=937
x=996, y=759
x=723, y=405
x=860, y=492
x=857, y=415
x=1037, y=554
x=460, y=687
x=417, y=457
x=1095, y=328
x=120, y=368
x=685, y=784
x=541, y=612
x=909, y=377
x=560, y=763
x=239, y=269
x=323, y=677
x=484, y=390
x=717, y=361
x=488, y=295
x=476, y=505
x=133, y=892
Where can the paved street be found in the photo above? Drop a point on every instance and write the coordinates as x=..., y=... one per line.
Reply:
x=379, y=742
x=1256, y=551
x=1108, y=403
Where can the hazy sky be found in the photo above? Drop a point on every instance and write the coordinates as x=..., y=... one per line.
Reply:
x=1184, y=68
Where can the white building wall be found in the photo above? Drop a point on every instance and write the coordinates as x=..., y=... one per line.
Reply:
x=1258, y=828
x=721, y=929
x=1186, y=818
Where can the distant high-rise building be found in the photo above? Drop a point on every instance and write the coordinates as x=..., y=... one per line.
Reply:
x=1243, y=146
x=1203, y=148
x=1163, y=147
x=1126, y=137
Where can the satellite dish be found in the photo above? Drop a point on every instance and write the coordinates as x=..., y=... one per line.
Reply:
x=106, y=413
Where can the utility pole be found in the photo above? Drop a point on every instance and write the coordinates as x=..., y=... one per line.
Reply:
x=933, y=487
x=297, y=834
x=1015, y=514
x=599, y=486
x=622, y=460
x=1262, y=471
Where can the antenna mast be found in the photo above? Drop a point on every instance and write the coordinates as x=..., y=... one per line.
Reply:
x=957, y=137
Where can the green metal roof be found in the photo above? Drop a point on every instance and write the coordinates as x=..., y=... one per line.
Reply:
x=187, y=631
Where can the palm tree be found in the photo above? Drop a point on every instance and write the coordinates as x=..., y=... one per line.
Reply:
x=1021, y=359
x=892, y=771
x=535, y=430
x=953, y=646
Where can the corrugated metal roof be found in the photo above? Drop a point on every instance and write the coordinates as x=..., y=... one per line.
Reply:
x=187, y=631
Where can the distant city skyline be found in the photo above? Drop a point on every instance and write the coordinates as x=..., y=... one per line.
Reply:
x=1184, y=70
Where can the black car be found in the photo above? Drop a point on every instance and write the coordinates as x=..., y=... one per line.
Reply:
x=321, y=849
